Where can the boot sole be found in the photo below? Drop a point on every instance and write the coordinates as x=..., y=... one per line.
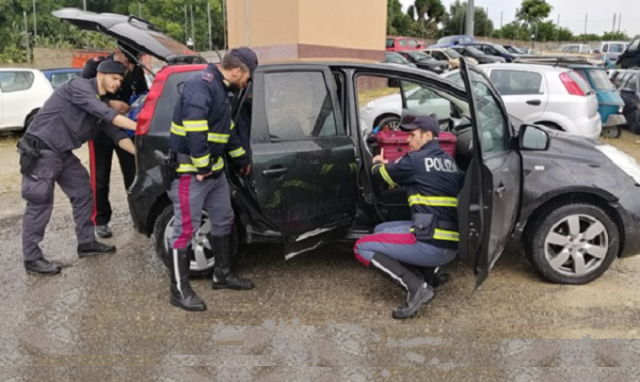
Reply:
x=89, y=254
x=29, y=271
x=178, y=305
x=415, y=313
x=220, y=287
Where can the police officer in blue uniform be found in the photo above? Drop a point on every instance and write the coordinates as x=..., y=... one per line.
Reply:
x=202, y=135
x=433, y=182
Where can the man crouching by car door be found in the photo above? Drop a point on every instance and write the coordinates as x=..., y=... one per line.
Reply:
x=433, y=182
x=202, y=133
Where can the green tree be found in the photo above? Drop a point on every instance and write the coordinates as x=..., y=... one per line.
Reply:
x=455, y=20
x=533, y=11
x=615, y=36
x=398, y=22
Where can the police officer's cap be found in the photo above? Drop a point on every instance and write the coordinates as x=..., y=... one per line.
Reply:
x=111, y=67
x=247, y=56
x=422, y=122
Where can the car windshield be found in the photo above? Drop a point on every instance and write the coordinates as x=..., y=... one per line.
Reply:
x=420, y=56
x=600, y=80
x=500, y=49
x=513, y=49
x=446, y=40
x=473, y=51
x=395, y=58
x=452, y=53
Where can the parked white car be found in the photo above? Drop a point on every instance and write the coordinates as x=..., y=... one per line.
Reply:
x=613, y=49
x=558, y=98
x=22, y=94
x=387, y=110
x=575, y=48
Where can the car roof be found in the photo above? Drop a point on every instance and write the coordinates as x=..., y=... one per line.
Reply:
x=53, y=70
x=520, y=66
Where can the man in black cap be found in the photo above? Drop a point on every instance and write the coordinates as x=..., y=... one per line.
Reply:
x=101, y=148
x=74, y=113
x=430, y=240
x=202, y=135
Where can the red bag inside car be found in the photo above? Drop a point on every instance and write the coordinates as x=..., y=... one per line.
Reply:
x=395, y=144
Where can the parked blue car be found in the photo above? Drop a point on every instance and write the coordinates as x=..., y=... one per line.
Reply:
x=59, y=76
x=448, y=41
x=611, y=104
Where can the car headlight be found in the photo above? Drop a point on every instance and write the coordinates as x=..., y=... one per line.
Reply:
x=370, y=105
x=621, y=159
x=620, y=109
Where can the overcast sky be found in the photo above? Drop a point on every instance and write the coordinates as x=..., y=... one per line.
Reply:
x=572, y=13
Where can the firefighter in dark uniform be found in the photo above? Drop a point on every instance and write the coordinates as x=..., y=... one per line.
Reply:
x=433, y=182
x=102, y=147
x=71, y=116
x=202, y=134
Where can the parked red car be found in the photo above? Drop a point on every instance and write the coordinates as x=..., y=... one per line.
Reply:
x=395, y=44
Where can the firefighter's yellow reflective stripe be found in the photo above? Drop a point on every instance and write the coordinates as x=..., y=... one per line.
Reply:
x=237, y=152
x=233, y=124
x=435, y=201
x=183, y=167
x=196, y=126
x=177, y=129
x=219, y=165
x=218, y=138
x=375, y=166
x=443, y=234
x=202, y=161
x=300, y=184
x=386, y=177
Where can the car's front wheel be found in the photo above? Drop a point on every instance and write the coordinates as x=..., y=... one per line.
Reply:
x=202, y=260
x=572, y=243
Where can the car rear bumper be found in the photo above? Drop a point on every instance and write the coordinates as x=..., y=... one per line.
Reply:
x=615, y=120
x=588, y=127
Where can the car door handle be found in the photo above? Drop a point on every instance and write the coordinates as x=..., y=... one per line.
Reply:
x=275, y=172
x=535, y=102
x=500, y=190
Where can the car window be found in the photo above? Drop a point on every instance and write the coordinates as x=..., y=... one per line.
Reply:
x=493, y=125
x=616, y=48
x=413, y=43
x=634, y=45
x=424, y=101
x=516, y=82
x=299, y=105
x=403, y=42
x=58, y=79
x=15, y=81
x=390, y=43
x=632, y=83
x=600, y=79
x=439, y=56
x=605, y=48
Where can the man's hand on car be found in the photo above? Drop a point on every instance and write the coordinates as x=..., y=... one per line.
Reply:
x=246, y=170
x=200, y=178
x=119, y=106
x=379, y=158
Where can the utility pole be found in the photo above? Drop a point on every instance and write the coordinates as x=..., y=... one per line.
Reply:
x=501, y=15
x=193, y=33
x=209, y=17
x=558, y=29
x=139, y=10
x=84, y=4
x=586, y=16
x=619, y=22
x=470, y=15
x=26, y=36
x=224, y=22
x=613, y=29
x=35, y=26
x=186, y=28
x=486, y=24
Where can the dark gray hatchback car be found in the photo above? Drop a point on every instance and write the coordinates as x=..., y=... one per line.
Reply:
x=574, y=202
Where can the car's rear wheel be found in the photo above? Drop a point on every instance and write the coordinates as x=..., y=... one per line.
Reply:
x=572, y=243
x=612, y=132
x=202, y=260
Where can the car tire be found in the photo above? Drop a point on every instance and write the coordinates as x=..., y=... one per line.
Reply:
x=200, y=243
x=393, y=122
x=548, y=237
x=612, y=132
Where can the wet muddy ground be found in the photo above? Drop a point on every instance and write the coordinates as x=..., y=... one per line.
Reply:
x=320, y=316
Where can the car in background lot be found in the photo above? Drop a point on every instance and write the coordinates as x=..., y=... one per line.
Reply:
x=396, y=44
x=60, y=76
x=493, y=50
x=557, y=98
x=394, y=58
x=22, y=94
x=575, y=48
x=449, y=41
x=480, y=57
x=613, y=49
x=631, y=57
x=449, y=55
x=514, y=49
x=629, y=88
x=425, y=61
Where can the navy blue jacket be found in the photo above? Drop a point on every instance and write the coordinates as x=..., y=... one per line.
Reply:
x=202, y=128
x=433, y=182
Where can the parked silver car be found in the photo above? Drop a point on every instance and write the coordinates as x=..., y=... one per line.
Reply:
x=558, y=98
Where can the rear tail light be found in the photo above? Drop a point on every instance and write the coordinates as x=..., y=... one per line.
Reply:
x=144, y=118
x=572, y=87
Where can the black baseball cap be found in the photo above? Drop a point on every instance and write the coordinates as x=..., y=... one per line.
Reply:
x=112, y=67
x=422, y=122
x=247, y=56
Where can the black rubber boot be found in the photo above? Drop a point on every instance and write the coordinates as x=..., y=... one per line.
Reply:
x=182, y=295
x=436, y=277
x=223, y=277
x=418, y=292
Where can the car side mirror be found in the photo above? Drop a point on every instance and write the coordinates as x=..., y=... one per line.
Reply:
x=534, y=138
